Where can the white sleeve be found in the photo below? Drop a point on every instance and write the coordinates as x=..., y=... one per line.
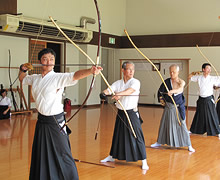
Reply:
x=135, y=84
x=28, y=80
x=195, y=78
x=217, y=81
x=65, y=79
x=9, y=101
x=114, y=87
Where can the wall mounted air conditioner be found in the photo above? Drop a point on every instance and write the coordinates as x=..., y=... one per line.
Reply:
x=42, y=28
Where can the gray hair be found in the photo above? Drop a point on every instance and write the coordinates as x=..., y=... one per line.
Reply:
x=176, y=66
x=125, y=64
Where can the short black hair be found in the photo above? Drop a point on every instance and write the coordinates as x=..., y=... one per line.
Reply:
x=2, y=91
x=206, y=64
x=46, y=51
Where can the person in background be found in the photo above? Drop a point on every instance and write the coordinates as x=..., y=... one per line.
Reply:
x=124, y=145
x=171, y=132
x=206, y=118
x=5, y=105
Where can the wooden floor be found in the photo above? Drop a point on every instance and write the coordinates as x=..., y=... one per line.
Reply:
x=16, y=136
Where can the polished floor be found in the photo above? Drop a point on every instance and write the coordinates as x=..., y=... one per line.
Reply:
x=16, y=136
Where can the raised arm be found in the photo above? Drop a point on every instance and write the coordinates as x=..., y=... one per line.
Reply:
x=86, y=72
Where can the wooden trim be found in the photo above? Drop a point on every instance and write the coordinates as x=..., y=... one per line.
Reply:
x=146, y=41
x=8, y=6
x=167, y=59
x=29, y=58
x=64, y=55
x=10, y=67
x=191, y=108
x=173, y=40
x=187, y=97
x=120, y=69
x=105, y=40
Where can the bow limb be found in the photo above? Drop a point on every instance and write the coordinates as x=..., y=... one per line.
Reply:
x=11, y=84
x=100, y=33
x=209, y=63
x=103, y=77
x=207, y=60
x=97, y=61
x=157, y=72
x=94, y=76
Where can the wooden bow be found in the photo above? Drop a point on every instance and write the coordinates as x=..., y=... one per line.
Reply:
x=103, y=77
x=11, y=84
x=94, y=76
x=207, y=60
x=156, y=70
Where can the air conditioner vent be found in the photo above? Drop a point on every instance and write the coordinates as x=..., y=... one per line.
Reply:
x=36, y=27
x=28, y=28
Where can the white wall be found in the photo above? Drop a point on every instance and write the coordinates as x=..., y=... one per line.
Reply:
x=144, y=17
x=72, y=57
x=70, y=11
x=140, y=17
x=78, y=92
x=94, y=97
x=19, y=55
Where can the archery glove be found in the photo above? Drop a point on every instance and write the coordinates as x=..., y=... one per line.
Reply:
x=21, y=69
x=103, y=96
x=28, y=66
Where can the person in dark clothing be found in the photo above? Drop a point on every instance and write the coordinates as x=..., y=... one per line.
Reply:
x=206, y=118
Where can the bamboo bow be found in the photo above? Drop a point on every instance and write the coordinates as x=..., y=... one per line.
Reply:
x=103, y=77
x=156, y=70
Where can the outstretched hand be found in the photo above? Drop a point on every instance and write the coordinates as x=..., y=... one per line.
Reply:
x=96, y=70
x=196, y=73
x=26, y=67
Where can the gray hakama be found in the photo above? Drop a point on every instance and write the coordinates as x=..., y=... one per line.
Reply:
x=170, y=132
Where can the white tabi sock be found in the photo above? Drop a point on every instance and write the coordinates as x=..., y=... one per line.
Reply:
x=190, y=148
x=108, y=159
x=155, y=144
x=144, y=165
